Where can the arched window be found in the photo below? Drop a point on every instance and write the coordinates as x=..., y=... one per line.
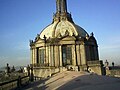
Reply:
x=66, y=55
x=41, y=56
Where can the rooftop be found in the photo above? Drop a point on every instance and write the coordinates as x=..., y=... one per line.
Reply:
x=70, y=80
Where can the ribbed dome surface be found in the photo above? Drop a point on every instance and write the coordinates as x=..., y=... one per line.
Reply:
x=62, y=28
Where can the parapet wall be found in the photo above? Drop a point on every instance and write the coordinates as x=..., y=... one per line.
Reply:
x=14, y=84
x=45, y=72
x=114, y=72
x=95, y=67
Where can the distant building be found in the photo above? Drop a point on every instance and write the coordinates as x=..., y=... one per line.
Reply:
x=64, y=45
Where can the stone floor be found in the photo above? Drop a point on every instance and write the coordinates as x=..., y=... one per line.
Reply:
x=70, y=80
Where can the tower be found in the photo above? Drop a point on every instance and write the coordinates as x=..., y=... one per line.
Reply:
x=61, y=6
x=61, y=11
x=63, y=45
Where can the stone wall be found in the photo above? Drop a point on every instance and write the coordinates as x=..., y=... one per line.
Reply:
x=95, y=67
x=45, y=71
x=115, y=72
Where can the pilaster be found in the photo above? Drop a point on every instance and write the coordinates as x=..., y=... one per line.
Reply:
x=49, y=61
x=60, y=50
x=73, y=55
x=56, y=56
x=78, y=54
x=47, y=55
x=83, y=54
x=31, y=55
x=52, y=56
x=35, y=55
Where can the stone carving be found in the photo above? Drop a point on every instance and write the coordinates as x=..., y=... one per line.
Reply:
x=73, y=34
x=7, y=69
x=45, y=38
x=59, y=35
x=37, y=37
x=92, y=34
x=66, y=33
x=31, y=42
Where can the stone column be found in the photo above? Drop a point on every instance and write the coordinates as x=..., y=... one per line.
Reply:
x=78, y=54
x=35, y=55
x=83, y=54
x=56, y=56
x=31, y=55
x=47, y=56
x=60, y=51
x=52, y=56
x=73, y=55
x=49, y=61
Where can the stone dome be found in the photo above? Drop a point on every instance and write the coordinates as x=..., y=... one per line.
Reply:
x=62, y=28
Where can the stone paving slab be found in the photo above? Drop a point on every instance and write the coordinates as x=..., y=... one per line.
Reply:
x=70, y=80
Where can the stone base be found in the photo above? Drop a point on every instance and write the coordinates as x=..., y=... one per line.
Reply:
x=82, y=68
x=45, y=72
x=96, y=67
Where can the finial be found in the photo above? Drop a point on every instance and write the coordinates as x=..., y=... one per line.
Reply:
x=37, y=37
x=92, y=34
x=44, y=38
x=31, y=42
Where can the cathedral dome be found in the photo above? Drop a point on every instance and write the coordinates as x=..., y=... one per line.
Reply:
x=62, y=28
x=62, y=24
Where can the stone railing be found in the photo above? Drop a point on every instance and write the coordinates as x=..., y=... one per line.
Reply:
x=115, y=72
x=13, y=84
x=97, y=62
x=40, y=65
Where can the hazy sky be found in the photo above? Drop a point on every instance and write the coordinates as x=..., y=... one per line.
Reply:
x=22, y=20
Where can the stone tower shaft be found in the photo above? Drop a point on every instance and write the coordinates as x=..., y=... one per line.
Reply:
x=61, y=6
x=61, y=11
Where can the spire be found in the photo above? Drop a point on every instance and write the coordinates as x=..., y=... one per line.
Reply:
x=61, y=6
x=61, y=11
x=58, y=6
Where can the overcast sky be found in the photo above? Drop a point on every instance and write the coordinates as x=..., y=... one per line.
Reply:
x=22, y=20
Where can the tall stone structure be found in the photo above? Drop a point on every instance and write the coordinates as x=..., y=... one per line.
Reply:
x=63, y=45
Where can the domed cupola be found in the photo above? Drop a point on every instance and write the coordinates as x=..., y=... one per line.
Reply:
x=63, y=45
x=62, y=24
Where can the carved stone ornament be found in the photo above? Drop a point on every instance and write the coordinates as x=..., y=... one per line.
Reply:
x=37, y=37
x=66, y=33
x=59, y=35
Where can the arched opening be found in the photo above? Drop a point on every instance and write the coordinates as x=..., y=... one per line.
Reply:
x=66, y=55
